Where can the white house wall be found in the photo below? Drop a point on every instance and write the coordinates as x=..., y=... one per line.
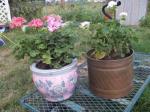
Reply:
x=136, y=10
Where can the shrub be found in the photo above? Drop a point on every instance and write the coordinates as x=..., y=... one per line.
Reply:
x=78, y=12
x=145, y=22
x=25, y=8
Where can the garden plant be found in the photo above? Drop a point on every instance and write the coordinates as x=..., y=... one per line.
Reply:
x=110, y=58
x=53, y=53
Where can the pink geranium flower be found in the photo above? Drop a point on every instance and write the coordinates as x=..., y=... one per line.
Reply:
x=45, y=18
x=54, y=22
x=17, y=22
x=37, y=23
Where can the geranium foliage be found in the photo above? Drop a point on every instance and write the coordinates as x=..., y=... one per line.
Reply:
x=56, y=49
x=111, y=39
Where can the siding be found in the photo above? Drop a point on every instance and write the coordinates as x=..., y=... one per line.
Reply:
x=136, y=9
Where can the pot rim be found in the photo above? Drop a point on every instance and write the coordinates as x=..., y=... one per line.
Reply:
x=111, y=60
x=68, y=67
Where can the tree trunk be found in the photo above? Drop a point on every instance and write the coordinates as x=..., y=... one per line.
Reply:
x=62, y=3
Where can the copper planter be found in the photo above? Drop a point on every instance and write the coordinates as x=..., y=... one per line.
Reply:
x=110, y=78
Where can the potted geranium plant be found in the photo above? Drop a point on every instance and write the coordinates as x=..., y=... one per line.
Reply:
x=110, y=60
x=53, y=55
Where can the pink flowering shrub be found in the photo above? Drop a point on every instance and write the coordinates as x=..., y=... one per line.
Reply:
x=54, y=22
x=17, y=22
x=36, y=23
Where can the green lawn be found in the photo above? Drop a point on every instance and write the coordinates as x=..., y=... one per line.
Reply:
x=15, y=78
x=143, y=45
x=143, y=104
x=15, y=81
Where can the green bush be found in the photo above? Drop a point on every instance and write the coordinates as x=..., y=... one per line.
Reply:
x=145, y=22
x=77, y=12
x=25, y=8
x=82, y=13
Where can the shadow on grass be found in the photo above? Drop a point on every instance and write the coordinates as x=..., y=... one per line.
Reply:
x=15, y=81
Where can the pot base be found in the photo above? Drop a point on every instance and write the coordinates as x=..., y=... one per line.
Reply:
x=112, y=94
x=58, y=100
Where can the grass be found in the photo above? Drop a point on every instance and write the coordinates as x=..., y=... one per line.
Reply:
x=143, y=44
x=143, y=105
x=15, y=79
x=15, y=76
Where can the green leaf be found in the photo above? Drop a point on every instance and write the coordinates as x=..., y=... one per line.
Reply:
x=99, y=55
x=34, y=53
x=38, y=41
x=42, y=46
x=47, y=58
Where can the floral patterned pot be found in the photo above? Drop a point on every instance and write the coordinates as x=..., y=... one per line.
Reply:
x=56, y=84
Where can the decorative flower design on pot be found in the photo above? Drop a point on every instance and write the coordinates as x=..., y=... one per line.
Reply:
x=58, y=91
x=72, y=80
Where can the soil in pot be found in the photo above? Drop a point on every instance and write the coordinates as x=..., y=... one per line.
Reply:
x=44, y=66
x=110, y=78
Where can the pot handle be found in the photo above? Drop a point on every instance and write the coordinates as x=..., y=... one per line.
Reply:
x=81, y=66
x=105, y=6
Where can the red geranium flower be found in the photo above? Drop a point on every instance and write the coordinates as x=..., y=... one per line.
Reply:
x=37, y=23
x=17, y=22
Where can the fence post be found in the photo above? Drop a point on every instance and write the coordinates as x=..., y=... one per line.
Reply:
x=4, y=11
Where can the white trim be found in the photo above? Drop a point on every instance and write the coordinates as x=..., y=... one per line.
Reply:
x=4, y=12
x=8, y=10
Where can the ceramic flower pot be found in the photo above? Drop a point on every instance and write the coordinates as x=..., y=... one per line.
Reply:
x=56, y=84
x=110, y=78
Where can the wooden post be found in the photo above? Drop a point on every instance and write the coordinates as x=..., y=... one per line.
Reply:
x=62, y=3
